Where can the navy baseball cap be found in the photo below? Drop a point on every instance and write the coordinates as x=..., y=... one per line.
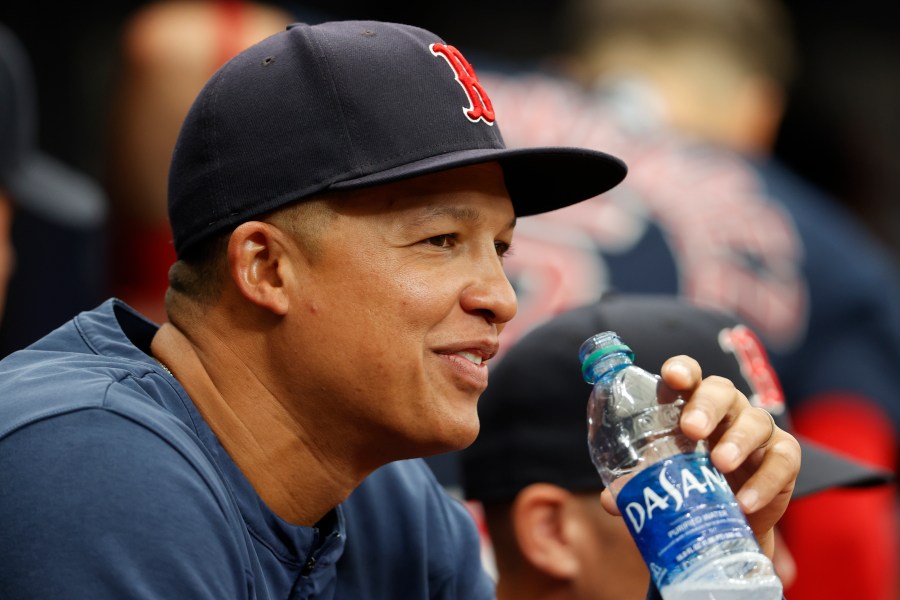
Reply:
x=534, y=411
x=345, y=105
x=36, y=181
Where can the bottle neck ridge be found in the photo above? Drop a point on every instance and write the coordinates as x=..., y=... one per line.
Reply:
x=606, y=360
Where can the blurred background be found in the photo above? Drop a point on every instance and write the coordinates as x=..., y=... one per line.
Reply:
x=842, y=128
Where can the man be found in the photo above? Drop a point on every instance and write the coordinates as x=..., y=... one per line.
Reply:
x=684, y=91
x=532, y=479
x=341, y=200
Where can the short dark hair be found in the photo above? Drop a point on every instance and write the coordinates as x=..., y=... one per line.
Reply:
x=199, y=274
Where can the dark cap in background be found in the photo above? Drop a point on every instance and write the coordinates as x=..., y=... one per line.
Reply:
x=345, y=105
x=533, y=413
x=34, y=180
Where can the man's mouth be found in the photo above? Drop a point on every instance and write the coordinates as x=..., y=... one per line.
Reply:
x=473, y=358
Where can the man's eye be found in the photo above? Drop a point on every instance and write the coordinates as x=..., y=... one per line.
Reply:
x=441, y=241
x=503, y=249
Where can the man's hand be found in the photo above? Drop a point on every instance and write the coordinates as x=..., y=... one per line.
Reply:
x=760, y=460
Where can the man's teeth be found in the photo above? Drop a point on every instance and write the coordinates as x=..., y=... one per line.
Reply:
x=474, y=358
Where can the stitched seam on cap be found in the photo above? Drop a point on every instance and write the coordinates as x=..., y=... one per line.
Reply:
x=211, y=137
x=348, y=148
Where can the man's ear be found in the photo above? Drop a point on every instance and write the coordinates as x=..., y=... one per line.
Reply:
x=542, y=522
x=259, y=266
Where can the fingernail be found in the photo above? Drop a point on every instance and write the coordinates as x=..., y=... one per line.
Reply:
x=680, y=369
x=748, y=499
x=697, y=419
x=729, y=452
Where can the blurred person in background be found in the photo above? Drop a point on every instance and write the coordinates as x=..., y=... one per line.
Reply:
x=691, y=93
x=168, y=49
x=52, y=218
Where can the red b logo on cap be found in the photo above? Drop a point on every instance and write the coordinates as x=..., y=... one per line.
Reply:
x=480, y=105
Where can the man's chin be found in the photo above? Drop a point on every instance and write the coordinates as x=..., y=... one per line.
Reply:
x=459, y=438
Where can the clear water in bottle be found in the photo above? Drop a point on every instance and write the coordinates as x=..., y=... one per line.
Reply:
x=678, y=507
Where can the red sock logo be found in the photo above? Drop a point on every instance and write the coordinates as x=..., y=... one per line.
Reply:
x=755, y=367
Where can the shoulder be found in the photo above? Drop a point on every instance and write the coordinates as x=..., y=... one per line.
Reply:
x=88, y=363
x=107, y=491
x=38, y=385
x=104, y=418
x=92, y=491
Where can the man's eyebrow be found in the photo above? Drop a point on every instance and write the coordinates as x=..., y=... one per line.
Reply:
x=459, y=213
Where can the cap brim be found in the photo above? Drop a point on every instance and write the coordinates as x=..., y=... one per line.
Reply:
x=823, y=469
x=538, y=179
x=45, y=186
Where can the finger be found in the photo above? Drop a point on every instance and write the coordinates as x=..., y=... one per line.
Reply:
x=715, y=400
x=772, y=425
x=681, y=373
x=609, y=503
x=775, y=476
x=752, y=429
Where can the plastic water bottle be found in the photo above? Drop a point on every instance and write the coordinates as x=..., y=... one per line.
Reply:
x=678, y=507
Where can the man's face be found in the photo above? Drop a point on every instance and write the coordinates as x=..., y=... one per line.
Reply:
x=394, y=319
